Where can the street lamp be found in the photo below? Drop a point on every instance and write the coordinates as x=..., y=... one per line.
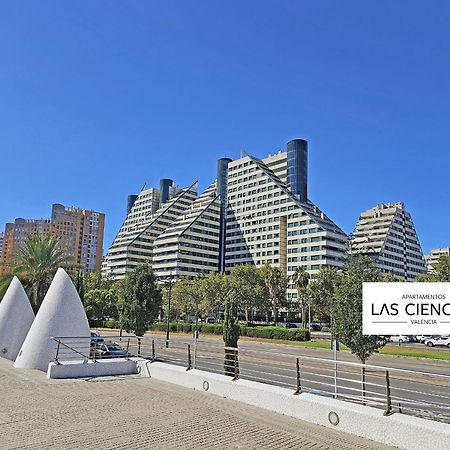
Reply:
x=168, y=311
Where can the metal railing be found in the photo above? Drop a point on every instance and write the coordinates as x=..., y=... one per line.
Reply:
x=393, y=390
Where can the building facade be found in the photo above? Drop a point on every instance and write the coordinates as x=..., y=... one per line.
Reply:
x=79, y=232
x=149, y=215
x=386, y=233
x=433, y=258
x=256, y=212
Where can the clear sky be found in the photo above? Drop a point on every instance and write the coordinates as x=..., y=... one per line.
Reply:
x=98, y=97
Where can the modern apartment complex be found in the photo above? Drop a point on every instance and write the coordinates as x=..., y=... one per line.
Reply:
x=386, y=233
x=434, y=256
x=257, y=211
x=79, y=232
x=149, y=214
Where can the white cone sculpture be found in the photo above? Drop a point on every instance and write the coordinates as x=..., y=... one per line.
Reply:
x=16, y=317
x=60, y=315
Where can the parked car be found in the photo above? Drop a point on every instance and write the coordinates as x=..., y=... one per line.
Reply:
x=438, y=341
x=422, y=338
x=315, y=326
x=96, y=338
x=400, y=338
x=287, y=325
x=110, y=350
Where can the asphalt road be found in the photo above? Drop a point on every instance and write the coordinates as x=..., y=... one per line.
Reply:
x=413, y=392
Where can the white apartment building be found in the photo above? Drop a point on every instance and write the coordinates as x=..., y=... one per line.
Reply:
x=271, y=220
x=433, y=257
x=257, y=212
x=387, y=234
x=148, y=216
x=190, y=245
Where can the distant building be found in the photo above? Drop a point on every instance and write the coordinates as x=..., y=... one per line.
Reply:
x=79, y=232
x=2, y=235
x=434, y=256
x=386, y=233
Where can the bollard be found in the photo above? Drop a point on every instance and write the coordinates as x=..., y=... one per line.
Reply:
x=139, y=347
x=128, y=347
x=236, y=365
x=189, y=366
x=299, y=386
x=153, y=350
x=389, y=410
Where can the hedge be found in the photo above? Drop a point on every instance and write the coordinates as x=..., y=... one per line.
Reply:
x=270, y=332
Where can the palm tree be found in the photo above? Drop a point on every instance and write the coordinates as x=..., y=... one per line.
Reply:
x=273, y=277
x=301, y=280
x=36, y=262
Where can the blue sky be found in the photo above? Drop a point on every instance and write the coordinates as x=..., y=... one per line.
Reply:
x=98, y=97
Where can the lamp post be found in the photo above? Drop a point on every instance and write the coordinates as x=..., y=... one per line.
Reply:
x=168, y=311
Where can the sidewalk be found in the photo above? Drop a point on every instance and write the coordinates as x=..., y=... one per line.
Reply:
x=140, y=413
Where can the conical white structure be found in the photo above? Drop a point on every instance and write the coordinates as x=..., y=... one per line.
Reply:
x=61, y=314
x=16, y=317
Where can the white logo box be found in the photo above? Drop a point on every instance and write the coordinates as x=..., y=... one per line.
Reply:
x=406, y=308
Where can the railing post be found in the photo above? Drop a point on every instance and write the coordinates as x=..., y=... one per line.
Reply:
x=388, y=411
x=299, y=385
x=236, y=365
x=189, y=366
x=128, y=347
x=94, y=352
x=139, y=347
x=153, y=350
x=57, y=352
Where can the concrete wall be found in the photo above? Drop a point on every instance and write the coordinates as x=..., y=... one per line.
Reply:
x=399, y=430
x=101, y=368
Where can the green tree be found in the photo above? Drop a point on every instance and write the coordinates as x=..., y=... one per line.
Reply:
x=440, y=272
x=321, y=292
x=36, y=262
x=301, y=280
x=276, y=284
x=231, y=332
x=347, y=309
x=142, y=300
x=79, y=284
x=188, y=297
x=215, y=290
x=249, y=288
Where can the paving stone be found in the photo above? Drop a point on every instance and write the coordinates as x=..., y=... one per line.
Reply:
x=141, y=413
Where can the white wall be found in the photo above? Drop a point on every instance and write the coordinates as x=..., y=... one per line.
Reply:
x=399, y=430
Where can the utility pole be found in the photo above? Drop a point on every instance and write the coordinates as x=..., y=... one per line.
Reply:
x=168, y=311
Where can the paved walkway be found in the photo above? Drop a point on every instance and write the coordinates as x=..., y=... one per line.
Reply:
x=141, y=413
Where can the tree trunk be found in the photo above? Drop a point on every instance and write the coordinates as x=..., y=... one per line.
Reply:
x=303, y=314
x=246, y=315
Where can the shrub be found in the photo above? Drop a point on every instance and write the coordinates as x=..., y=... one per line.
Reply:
x=326, y=329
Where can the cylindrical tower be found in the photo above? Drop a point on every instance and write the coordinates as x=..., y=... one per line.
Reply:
x=222, y=190
x=164, y=190
x=130, y=202
x=297, y=155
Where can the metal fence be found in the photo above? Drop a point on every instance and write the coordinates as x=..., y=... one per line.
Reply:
x=393, y=390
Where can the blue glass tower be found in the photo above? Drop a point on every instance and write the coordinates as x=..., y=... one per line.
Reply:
x=130, y=202
x=164, y=190
x=222, y=190
x=297, y=156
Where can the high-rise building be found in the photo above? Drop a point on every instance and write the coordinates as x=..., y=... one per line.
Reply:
x=79, y=232
x=433, y=258
x=271, y=220
x=2, y=235
x=256, y=212
x=190, y=245
x=386, y=233
x=149, y=215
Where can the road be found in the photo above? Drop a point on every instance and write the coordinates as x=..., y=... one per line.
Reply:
x=412, y=392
